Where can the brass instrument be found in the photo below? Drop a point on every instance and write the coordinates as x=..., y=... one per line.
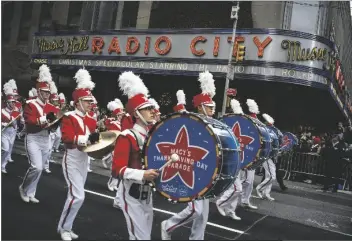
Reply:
x=55, y=124
x=104, y=146
x=10, y=123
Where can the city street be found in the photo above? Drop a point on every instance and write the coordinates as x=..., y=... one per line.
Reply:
x=300, y=213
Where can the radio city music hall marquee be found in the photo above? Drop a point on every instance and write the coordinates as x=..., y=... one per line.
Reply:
x=208, y=46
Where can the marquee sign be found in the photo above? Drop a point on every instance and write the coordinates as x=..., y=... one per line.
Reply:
x=186, y=45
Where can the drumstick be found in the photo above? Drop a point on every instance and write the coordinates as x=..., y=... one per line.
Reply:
x=174, y=158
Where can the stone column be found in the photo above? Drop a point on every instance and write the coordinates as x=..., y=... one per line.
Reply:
x=267, y=14
x=60, y=12
x=105, y=15
x=35, y=21
x=119, y=15
x=15, y=23
x=143, y=16
x=86, y=15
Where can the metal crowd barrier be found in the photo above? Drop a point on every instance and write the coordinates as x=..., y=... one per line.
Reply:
x=309, y=164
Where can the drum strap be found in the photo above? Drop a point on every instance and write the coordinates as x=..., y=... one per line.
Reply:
x=138, y=138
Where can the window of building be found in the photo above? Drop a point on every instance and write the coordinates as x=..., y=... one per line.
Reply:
x=7, y=13
x=130, y=12
x=74, y=15
x=305, y=17
x=25, y=25
x=46, y=16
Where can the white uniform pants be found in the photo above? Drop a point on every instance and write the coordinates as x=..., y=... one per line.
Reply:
x=37, y=148
x=51, y=143
x=196, y=211
x=270, y=177
x=247, y=179
x=57, y=139
x=8, y=137
x=138, y=214
x=74, y=167
x=229, y=199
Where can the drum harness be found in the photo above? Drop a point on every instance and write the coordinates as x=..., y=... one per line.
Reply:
x=140, y=191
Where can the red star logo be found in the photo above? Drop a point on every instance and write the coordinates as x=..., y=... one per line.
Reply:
x=242, y=139
x=286, y=141
x=184, y=167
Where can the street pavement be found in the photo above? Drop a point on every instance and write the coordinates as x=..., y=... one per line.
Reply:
x=302, y=212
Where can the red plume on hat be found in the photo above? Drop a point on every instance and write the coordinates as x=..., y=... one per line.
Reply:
x=137, y=93
x=44, y=78
x=181, y=101
x=8, y=91
x=269, y=120
x=208, y=90
x=84, y=86
x=253, y=108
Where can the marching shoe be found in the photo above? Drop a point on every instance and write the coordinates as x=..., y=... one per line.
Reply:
x=104, y=164
x=89, y=170
x=164, y=234
x=116, y=204
x=259, y=193
x=33, y=200
x=24, y=197
x=73, y=235
x=47, y=170
x=269, y=198
x=57, y=151
x=66, y=235
x=4, y=171
x=10, y=160
x=233, y=216
x=221, y=210
x=250, y=206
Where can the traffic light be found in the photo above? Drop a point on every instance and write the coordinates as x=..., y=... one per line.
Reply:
x=241, y=52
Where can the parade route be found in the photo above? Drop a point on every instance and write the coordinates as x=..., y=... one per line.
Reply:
x=98, y=220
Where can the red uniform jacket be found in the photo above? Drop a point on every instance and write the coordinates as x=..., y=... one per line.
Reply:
x=18, y=105
x=126, y=122
x=75, y=128
x=127, y=158
x=7, y=115
x=35, y=115
x=112, y=125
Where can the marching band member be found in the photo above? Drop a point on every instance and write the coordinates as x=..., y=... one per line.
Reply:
x=78, y=130
x=16, y=96
x=157, y=113
x=62, y=100
x=134, y=192
x=227, y=203
x=264, y=188
x=54, y=100
x=57, y=140
x=198, y=210
x=113, y=124
x=37, y=114
x=247, y=176
x=93, y=114
x=181, y=101
x=8, y=135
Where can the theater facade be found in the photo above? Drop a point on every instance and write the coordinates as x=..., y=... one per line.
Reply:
x=294, y=76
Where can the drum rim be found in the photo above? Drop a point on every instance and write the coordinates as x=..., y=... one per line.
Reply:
x=219, y=157
x=257, y=157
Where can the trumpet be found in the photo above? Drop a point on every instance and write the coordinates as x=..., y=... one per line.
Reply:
x=10, y=123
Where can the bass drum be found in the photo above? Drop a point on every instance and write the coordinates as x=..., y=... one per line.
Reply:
x=289, y=140
x=254, y=139
x=208, y=151
x=275, y=143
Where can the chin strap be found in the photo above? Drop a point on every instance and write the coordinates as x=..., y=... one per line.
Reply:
x=142, y=118
x=80, y=104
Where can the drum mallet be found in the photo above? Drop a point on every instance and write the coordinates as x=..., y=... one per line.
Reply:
x=174, y=158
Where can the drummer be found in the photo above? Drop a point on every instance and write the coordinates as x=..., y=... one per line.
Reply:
x=228, y=201
x=134, y=192
x=37, y=114
x=56, y=132
x=198, y=210
x=8, y=113
x=264, y=188
x=156, y=113
x=78, y=130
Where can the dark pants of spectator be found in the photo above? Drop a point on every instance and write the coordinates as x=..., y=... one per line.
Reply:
x=332, y=168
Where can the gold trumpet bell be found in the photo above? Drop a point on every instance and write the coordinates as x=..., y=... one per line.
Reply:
x=104, y=146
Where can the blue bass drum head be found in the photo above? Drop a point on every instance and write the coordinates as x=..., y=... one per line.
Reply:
x=195, y=143
x=248, y=137
x=289, y=140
